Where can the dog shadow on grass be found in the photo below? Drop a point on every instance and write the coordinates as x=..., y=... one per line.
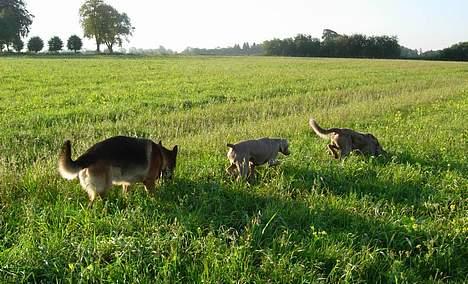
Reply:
x=217, y=207
x=433, y=162
x=363, y=180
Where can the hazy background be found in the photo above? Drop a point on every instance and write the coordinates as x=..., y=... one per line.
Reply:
x=177, y=24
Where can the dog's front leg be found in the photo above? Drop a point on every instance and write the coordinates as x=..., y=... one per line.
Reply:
x=125, y=189
x=243, y=168
x=149, y=185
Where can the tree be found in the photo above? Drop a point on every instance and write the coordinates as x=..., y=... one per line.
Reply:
x=457, y=51
x=14, y=21
x=18, y=44
x=305, y=45
x=105, y=24
x=246, y=48
x=329, y=35
x=55, y=44
x=74, y=43
x=90, y=18
x=116, y=28
x=35, y=44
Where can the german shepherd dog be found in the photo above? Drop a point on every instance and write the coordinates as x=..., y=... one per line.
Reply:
x=118, y=160
x=344, y=141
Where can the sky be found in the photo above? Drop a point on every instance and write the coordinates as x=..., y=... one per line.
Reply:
x=177, y=24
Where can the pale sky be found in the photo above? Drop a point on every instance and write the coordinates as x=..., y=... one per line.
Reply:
x=177, y=24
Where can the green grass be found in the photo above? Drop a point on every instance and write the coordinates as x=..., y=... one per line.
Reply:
x=400, y=219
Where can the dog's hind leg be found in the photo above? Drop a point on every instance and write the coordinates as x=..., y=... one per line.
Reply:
x=333, y=150
x=84, y=178
x=231, y=169
x=251, y=170
x=96, y=181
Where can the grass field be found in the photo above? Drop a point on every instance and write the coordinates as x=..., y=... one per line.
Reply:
x=400, y=218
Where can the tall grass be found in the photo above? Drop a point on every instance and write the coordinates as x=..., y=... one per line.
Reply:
x=400, y=218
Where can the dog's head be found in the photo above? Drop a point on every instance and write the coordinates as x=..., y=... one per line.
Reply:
x=284, y=147
x=170, y=160
x=377, y=148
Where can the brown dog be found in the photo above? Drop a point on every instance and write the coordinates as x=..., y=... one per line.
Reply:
x=245, y=155
x=118, y=160
x=344, y=141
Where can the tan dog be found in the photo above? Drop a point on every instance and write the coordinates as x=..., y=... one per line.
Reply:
x=344, y=141
x=245, y=155
x=118, y=160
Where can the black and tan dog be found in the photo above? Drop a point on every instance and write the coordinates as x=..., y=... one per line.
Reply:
x=344, y=141
x=245, y=155
x=118, y=160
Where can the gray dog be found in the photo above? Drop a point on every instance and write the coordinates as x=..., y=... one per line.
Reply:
x=245, y=155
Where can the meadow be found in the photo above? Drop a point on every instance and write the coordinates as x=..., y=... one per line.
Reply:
x=400, y=218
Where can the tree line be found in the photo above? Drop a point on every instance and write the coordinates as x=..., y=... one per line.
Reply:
x=357, y=46
x=109, y=27
x=335, y=45
x=99, y=21
x=236, y=50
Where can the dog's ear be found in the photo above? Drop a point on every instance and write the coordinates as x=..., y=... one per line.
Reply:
x=230, y=145
x=175, y=149
x=160, y=143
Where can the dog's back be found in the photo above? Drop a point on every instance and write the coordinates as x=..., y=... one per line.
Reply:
x=346, y=140
x=119, y=151
x=118, y=160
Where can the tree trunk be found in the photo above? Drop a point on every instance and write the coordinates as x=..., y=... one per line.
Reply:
x=110, y=47
x=98, y=46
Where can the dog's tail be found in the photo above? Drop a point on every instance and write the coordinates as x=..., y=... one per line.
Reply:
x=322, y=133
x=68, y=168
x=230, y=145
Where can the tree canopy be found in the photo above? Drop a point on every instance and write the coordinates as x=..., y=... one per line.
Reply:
x=457, y=51
x=14, y=21
x=55, y=44
x=335, y=45
x=74, y=43
x=105, y=24
x=35, y=44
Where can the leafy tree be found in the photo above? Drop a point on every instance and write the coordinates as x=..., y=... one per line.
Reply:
x=329, y=35
x=246, y=48
x=305, y=45
x=74, y=43
x=117, y=27
x=91, y=15
x=356, y=45
x=457, y=51
x=104, y=23
x=14, y=21
x=55, y=44
x=35, y=44
x=408, y=53
x=18, y=44
x=272, y=47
